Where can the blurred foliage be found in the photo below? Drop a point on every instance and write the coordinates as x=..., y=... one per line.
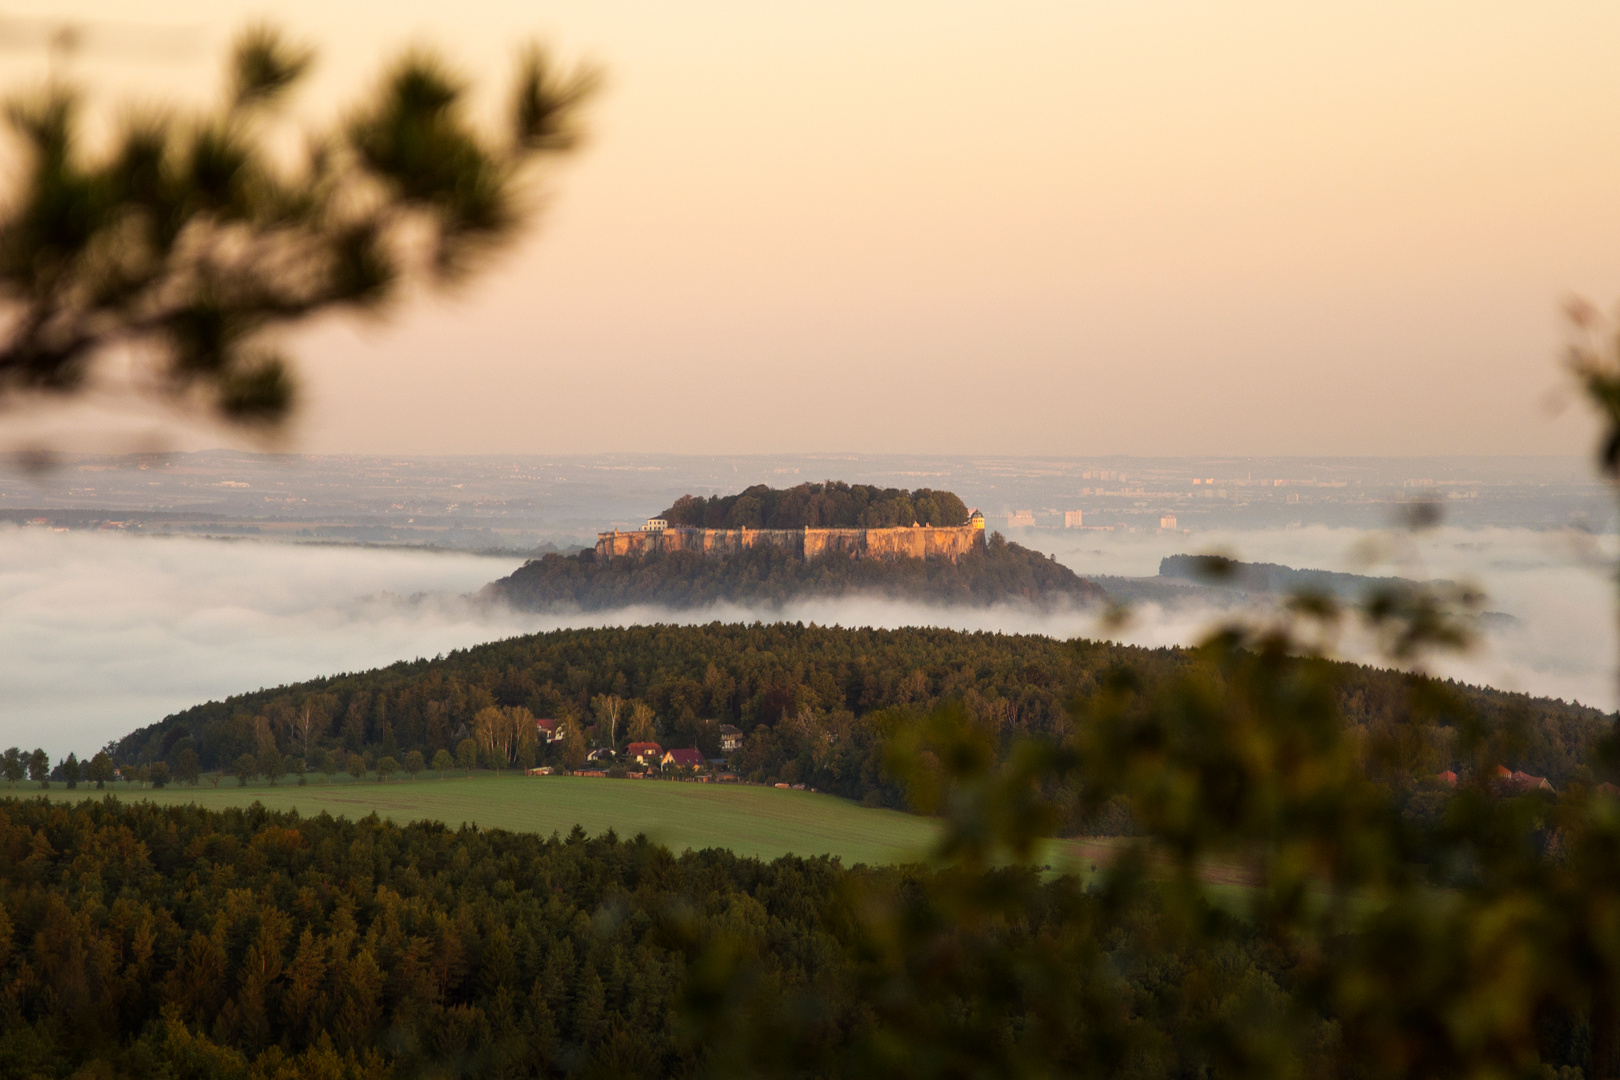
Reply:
x=1593, y=356
x=1414, y=922
x=1481, y=940
x=193, y=241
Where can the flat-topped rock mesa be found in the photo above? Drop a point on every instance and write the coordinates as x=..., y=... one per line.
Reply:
x=768, y=547
x=915, y=541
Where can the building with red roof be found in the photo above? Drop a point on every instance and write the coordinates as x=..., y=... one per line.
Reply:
x=644, y=752
x=684, y=759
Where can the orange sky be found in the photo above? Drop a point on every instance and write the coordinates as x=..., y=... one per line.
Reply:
x=1048, y=228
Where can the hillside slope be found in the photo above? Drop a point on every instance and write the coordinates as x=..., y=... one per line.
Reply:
x=816, y=705
x=1004, y=572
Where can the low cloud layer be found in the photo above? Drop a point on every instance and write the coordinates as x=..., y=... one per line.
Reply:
x=1556, y=584
x=102, y=633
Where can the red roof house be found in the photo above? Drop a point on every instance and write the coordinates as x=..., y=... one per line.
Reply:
x=684, y=759
x=1520, y=781
x=644, y=752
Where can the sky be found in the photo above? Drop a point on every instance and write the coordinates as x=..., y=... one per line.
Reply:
x=1044, y=228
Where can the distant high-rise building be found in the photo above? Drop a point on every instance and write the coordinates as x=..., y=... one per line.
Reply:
x=1072, y=519
x=1021, y=519
x=1168, y=521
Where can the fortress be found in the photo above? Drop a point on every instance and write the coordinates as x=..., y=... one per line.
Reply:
x=914, y=542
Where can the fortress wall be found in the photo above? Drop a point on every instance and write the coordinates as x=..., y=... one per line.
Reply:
x=789, y=540
x=727, y=541
x=896, y=543
x=851, y=542
x=621, y=543
x=922, y=543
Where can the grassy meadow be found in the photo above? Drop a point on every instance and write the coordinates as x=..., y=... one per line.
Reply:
x=759, y=821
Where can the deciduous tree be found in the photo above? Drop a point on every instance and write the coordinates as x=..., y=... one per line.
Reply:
x=642, y=726
x=13, y=766
x=187, y=766
x=271, y=764
x=608, y=708
x=100, y=770
x=573, y=745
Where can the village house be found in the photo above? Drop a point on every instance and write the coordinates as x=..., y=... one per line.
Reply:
x=1515, y=780
x=683, y=759
x=549, y=731
x=731, y=739
x=647, y=753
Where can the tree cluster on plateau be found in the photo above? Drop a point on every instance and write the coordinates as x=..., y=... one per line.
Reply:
x=1002, y=573
x=817, y=705
x=828, y=505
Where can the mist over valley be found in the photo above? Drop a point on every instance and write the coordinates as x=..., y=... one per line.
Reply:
x=105, y=629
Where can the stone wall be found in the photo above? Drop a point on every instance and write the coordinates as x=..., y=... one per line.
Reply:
x=920, y=542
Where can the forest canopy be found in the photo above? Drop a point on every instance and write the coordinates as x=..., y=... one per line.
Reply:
x=180, y=943
x=828, y=505
x=817, y=705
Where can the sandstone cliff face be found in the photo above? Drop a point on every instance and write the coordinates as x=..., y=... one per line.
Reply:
x=920, y=542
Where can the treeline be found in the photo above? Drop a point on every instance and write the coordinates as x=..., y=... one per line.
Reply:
x=174, y=942
x=1003, y=572
x=1276, y=578
x=817, y=705
x=833, y=504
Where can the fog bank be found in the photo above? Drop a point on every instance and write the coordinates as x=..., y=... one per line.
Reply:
x=101, y=633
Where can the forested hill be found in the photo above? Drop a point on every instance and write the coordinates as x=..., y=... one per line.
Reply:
x=767, y=576
x=819, y=506
x=1276, y=578
x=817, y=705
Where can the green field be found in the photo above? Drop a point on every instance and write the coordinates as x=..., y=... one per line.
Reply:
x=760, y=821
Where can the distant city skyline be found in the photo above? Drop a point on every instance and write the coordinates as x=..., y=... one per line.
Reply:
x=1054, y=229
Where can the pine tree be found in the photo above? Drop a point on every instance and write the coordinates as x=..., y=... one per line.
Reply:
x=196, y=240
